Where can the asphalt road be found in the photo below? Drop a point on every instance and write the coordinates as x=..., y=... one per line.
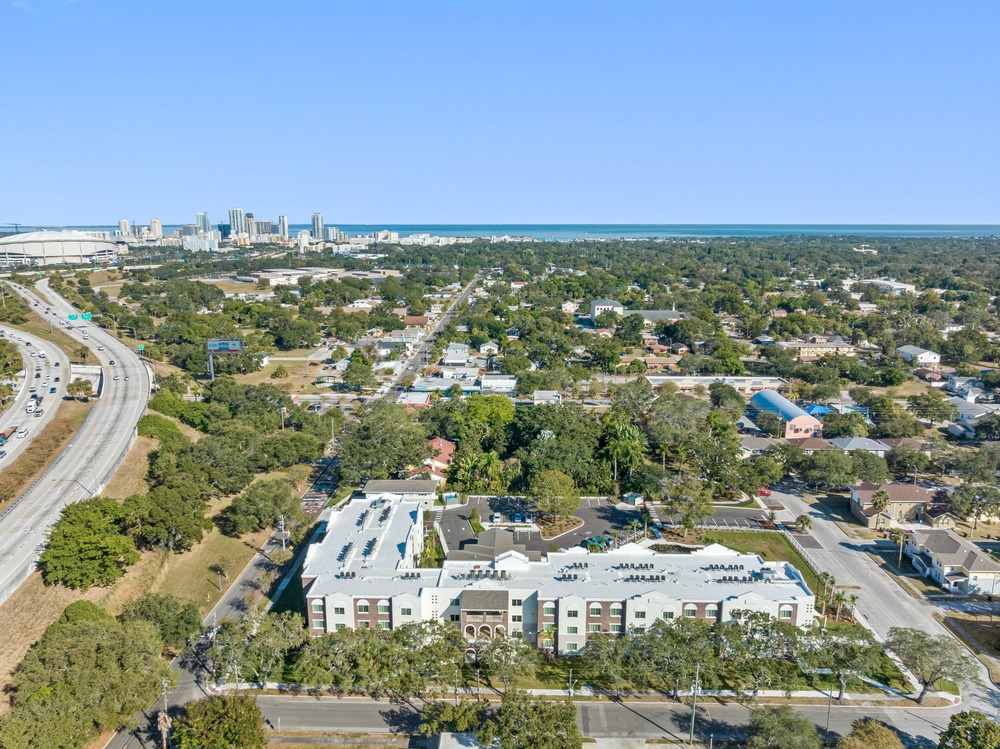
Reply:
x=15, y=415
x=417, y=359
x=600, y=719
x=882, y=603
x=91, y=458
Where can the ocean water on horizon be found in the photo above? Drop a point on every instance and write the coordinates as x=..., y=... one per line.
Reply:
x=565, y=232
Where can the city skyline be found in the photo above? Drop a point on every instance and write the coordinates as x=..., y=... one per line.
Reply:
x=647, y=113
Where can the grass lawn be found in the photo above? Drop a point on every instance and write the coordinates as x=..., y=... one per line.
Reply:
x=130, y=478
x=188, y=577
x=291, y=598
x=29, y=465
x=770, y=546
x=236, y=287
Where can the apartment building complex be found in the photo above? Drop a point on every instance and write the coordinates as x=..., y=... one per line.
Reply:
x=363, y=573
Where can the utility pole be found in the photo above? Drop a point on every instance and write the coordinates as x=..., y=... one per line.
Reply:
x=695, y=688
x=829, y=709
x=572, y=683
x=281, y=530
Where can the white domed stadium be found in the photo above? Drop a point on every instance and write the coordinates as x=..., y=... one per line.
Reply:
x=55, y=247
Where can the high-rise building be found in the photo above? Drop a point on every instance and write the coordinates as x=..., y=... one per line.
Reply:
x=317, y=226
x=237, y=221
x=265, y=227
x=123, y=226
x=251, y=225
x=156, y=228
x=283, y=226
x=203, y=223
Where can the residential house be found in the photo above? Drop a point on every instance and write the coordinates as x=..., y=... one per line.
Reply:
x=798, y=423
x=456, y=355
x=751, y=447
x=920, y=356
x=850, y=444
x=416, y=321
x=933, y=376
x=906, y=503
x=498, y=384
x=442, y=452
x=489, y=348
x=811, y=445
x=413, y=401
x=968, y=415
x=599, y=306
x=938, y=516
x=546, y=397
x=569, y=308
x=679, y=349
x=650, y=317
x=805, y=350
x=954, y=563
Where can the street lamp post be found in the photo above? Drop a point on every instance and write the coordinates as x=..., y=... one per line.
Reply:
x=695, y=688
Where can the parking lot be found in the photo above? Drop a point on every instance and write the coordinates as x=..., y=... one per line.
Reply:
x=599, y=519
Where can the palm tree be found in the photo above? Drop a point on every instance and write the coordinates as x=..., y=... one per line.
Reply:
x=898, y=535
x=828, y=582
x=803, y=523
x=625, y=447
x=82, y=353
x=839, y=598
x=852, y=601
x=880, y=501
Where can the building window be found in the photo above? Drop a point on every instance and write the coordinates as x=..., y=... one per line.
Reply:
x=572, y=613
x=338, y=610
x=667, y=615
x=571, y=630
x=454, y=602
x=691, y=611
x=338, y=627
x=547, y=643
x=318, y=623
x=595, y=609
x=571, y=647
x=785, y=612
x=455, y=617
x=362, y=607
x=383, y=608
x=593, y=627
x=640, y=614
x=616, y=628
x=317, y=605
x=365, y=624
x=712, y=612
x=406, y=611
x=516, y=602
x=549, y=610
x=616, y=611
x=516, y=618
x=383, y=625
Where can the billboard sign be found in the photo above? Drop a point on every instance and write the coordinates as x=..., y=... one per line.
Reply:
x=217, y=345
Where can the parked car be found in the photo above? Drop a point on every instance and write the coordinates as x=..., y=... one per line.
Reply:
x=496, y=517
x=517, y=517
x=763, y=492
x=528, y=518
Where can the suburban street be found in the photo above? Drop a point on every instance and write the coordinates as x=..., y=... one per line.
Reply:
x=419, y=355
x=882, y=604
x=92, y=457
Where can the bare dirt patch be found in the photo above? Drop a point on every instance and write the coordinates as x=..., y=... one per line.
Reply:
x=130, y=478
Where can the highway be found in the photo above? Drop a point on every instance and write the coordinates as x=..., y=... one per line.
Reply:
x=54, y=364
x=83, y=469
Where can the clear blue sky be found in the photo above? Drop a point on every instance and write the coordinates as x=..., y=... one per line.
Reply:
x=490, y=112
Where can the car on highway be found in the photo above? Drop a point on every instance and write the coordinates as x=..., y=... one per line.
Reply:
x=112, y=361
x=52, y=389
x=38, y=375
x=32, y=389
x=56, y=378
x=22, y=434
x=57, y=364
x=126, y=378
x=41, y=354
x=33, y=354
x=3, y=453
x=116, y=377
x=100, y=348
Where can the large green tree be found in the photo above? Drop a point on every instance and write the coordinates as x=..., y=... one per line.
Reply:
x=383, y=441
x=969, y=730
x=261, y=506
x=554, y=493
x=780, y=727
x=176, y=620
x=524, y=721
x=221, y=722
x=870, y=734
x=931, y=659
x=86, y=547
